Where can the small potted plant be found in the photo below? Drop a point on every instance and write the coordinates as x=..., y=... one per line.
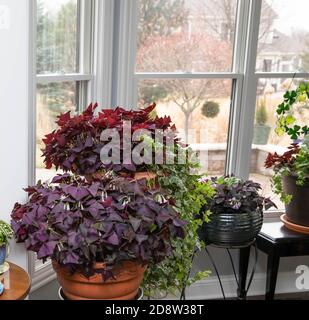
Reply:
x=291, y=170
x=261, y=129
x=6, y=233
x=235, y=212
x=101, y=235
x=291, y=181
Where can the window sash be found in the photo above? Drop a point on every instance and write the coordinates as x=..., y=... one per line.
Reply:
x=186, y=75
x=48, y=78
x=43, y=273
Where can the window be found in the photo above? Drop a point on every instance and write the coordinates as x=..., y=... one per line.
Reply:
x=62, y=66
x=284, y=33
x=219, y=68
x=282, y=40
x=185, y=63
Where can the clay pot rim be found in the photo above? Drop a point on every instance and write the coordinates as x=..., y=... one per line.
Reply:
x=101, y=265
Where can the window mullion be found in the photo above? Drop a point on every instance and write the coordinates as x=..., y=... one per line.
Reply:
x=243, y=12
x=247, y=111
x=127, y=45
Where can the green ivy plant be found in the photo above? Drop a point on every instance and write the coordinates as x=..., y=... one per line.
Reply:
x=188, y=196
x=286, y=122
x=6, y=233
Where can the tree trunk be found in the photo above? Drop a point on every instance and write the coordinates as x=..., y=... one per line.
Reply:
x=187, y=125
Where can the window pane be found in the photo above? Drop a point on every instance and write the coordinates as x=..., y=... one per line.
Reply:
x=57, y=34
x=52, y=100
x=200, y=109
x=283, y=39
x=269, y=96
x=186, y=35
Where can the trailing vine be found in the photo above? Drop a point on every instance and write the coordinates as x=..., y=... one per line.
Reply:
x=188, y=196
x=286, y=122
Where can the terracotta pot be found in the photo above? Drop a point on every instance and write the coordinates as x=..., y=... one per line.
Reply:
x=144, y=175
x=138, y=176
x=125, y=285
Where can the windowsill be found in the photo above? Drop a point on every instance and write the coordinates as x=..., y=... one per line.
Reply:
x=272, y=215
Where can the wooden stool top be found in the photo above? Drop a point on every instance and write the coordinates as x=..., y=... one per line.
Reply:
x=276, y=232
x=19, y=284
x=276, y=239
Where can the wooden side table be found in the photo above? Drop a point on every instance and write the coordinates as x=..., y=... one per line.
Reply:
x=20, y=284
x=276, y=241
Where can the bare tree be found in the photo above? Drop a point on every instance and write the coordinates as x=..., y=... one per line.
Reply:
x=160, y=18
x=219, y=17
x=181, y=52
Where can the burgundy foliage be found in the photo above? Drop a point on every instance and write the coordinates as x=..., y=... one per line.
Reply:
x=286, y=160
x=76, y=145
x=234, y=196
x=78, y=223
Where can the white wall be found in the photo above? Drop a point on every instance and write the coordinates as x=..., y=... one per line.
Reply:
x=14, y=111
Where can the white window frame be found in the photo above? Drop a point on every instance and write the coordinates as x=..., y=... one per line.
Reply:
x=40, y=273
x=244, y=75
x=128, y=78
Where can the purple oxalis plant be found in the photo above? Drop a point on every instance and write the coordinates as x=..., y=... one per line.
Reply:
x=78, y=223
x=233, y=195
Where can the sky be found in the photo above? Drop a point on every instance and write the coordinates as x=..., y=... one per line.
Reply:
x=293, y=15
x=54, y=5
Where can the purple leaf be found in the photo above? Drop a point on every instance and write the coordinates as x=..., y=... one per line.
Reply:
x=47, y=249
x=141, y=238
x=135, y=223
x=113, y=239
x=93, y=189
x=71, y=258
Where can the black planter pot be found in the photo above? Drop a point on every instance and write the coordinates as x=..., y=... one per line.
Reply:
x=297, y=211
x=232, y=230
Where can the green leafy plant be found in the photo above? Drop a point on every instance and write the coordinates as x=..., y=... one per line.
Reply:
x=293, y=162
x=187, y=195
x=261, y=116
x=211, y=109
x=286, y=122
x=6, y=233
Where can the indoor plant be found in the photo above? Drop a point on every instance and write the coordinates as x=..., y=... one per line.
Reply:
x=187, y=194
x=291, y=170
x=261, y=129
x=6, y=233
x=235, y=212
x=75, y=146
x=290, y=181
x=101, y=235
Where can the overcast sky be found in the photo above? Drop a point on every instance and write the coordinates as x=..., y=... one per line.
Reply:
x=293, y=15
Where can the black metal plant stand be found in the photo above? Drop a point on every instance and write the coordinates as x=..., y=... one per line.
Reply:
x=243, y=264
